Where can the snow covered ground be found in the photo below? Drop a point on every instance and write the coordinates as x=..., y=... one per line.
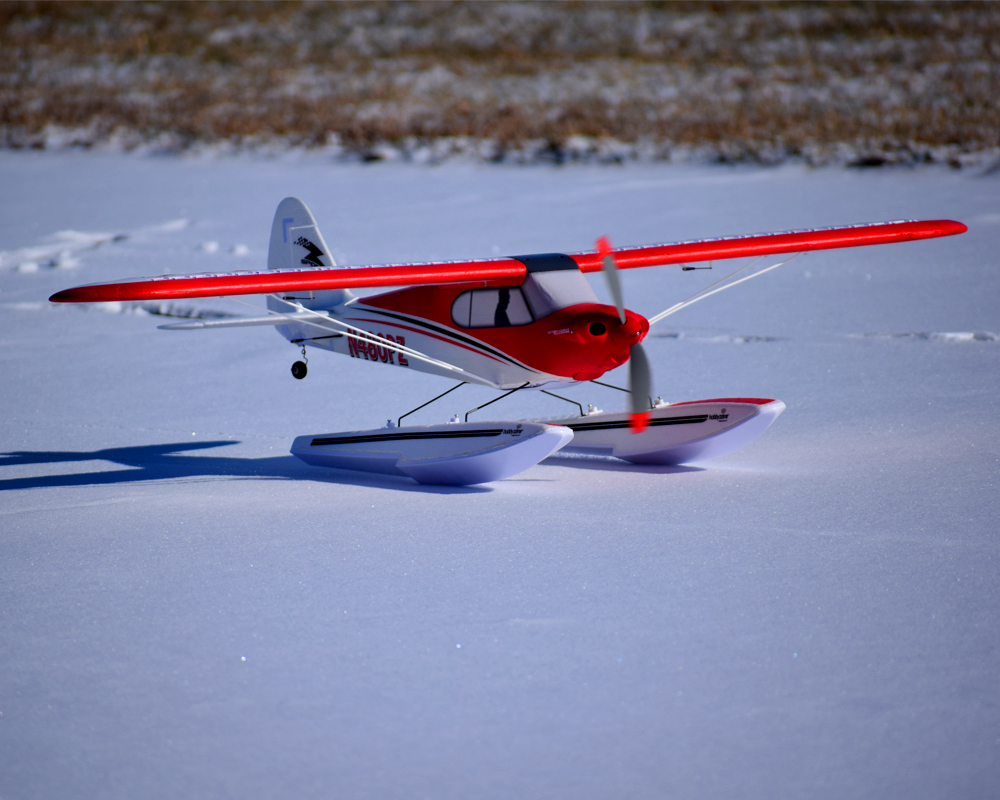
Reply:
x=187, y=610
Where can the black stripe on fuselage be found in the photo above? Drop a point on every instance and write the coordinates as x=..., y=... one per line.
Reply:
x=604, y=426
x=448, y=332
x=400, y=437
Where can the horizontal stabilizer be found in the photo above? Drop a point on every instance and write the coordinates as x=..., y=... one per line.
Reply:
x=503, y=271
x=241, y=322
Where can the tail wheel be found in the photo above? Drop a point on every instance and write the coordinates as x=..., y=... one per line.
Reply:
x=299, y=370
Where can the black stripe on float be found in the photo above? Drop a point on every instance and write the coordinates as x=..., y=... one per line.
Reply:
x=398, y=437
x=604, y=426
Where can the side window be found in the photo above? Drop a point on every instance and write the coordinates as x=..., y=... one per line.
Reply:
x=485, y=304
x=460, y=309
x=491, y=308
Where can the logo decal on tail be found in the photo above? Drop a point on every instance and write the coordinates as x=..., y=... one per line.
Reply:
x=312, y=259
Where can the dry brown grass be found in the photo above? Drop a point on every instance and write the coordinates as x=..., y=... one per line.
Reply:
x=749, y=80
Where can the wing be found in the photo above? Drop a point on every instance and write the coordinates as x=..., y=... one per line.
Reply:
x=505, y=271
x=508, y=272
x=770, y=244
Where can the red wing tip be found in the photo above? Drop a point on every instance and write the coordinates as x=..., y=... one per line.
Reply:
x=98, y=293
x=84, y=294
x=65, y=296
x=943, y=227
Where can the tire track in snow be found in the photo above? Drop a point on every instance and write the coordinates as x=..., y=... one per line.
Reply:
x=64, y=247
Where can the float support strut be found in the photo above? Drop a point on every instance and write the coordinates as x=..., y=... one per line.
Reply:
x=501, y=397
x=399, y=422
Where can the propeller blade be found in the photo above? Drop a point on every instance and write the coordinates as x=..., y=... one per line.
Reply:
x=640, y=375
x=611, y=275
x=641, y=385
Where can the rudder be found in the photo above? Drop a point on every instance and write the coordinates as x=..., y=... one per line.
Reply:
x=296, y=243
x=295, y=238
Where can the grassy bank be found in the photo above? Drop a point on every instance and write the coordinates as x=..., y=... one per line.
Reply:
x=868, y=82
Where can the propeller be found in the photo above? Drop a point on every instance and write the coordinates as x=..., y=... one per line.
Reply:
x=639, y=374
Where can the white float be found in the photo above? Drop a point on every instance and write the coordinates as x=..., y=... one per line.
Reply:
x=677, y=433
x=457, y=454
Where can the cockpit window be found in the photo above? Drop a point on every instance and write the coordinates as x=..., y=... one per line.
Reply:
x=491, y=308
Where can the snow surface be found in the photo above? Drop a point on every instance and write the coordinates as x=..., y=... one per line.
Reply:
x=188, y=610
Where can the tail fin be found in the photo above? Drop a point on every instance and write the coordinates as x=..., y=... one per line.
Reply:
x=295, y=243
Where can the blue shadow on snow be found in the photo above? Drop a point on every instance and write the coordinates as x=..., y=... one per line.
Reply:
x=171, y=462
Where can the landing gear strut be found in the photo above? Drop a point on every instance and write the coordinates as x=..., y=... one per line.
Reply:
x=299, y=368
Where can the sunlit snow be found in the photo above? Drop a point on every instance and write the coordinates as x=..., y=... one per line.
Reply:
x=188, y=610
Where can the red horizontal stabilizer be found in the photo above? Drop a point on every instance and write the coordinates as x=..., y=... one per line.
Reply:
x=507, y=271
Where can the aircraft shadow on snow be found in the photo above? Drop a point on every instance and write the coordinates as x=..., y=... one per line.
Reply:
x=177, y=462
x=610, y=464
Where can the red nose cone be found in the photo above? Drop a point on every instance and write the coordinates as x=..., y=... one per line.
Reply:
x=599, y=340
x=631, y=332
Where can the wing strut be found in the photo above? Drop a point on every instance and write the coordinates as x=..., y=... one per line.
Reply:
x=708, y=291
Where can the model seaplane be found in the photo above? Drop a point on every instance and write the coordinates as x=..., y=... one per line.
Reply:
x=512, y=324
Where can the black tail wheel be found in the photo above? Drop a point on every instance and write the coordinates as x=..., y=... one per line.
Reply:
x=299, y=370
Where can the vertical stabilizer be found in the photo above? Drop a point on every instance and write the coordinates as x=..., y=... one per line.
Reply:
x=296, y=243
x=295, y=239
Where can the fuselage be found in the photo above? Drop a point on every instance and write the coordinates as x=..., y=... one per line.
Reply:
x=493, y=332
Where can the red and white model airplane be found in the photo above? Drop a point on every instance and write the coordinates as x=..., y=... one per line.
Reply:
x=514, y=323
